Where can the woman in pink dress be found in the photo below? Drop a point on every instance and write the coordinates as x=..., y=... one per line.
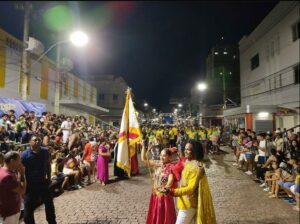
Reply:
x=161, y=206
x=102, y=163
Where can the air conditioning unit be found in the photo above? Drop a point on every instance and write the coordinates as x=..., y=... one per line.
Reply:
x=35, y=46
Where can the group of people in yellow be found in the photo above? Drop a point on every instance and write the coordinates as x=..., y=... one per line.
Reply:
x=171, y=133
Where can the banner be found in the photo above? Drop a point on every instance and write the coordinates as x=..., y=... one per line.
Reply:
x=129, y=135
x=20, y=106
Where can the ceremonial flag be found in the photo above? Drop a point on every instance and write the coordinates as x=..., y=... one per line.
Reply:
x=129, y=135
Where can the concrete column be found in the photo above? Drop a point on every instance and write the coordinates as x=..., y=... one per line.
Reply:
x=249, y=121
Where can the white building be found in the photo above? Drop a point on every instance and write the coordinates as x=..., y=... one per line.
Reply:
x=269, y=68
x=77, y=97
x=111, y=94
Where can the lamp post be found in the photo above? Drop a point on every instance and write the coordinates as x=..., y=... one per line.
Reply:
x=201, y=87
x=24, y=74
x=146, y=110
x=79, y=39
x=224, y=88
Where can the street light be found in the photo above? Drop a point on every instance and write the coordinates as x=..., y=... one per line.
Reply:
x=202, y=86
x=145, y=104
x=79, y=39
x=180, y=105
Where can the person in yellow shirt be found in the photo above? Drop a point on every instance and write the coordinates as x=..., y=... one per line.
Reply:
x=159, y=132
x=194, y=198
x=189, y=133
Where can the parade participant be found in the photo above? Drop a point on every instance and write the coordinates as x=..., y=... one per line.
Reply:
x=11, y=190
x=161, y=206
x=134, y=161
x=38, y=177
x=118, y=171
x=102, y=162
x=194, y=199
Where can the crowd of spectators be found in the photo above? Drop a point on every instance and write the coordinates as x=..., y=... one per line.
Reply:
x=272, y=158
x=71, y=142
x=69, y=145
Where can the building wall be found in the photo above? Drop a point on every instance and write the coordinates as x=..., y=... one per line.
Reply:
x=273, y=81
x=41, y=80
x=108, y=86
x=111, y=94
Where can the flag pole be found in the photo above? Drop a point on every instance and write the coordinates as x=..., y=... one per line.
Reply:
x=128, y=91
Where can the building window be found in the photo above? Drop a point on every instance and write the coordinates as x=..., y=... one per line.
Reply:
x=296, y=31
x=101, y=96
x=254, y=62
x=115, y=97
x=297, y=74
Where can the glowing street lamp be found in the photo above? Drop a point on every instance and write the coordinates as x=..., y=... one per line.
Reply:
x=79, y=39
x=145, y=104
x=180, y=105
x=202, y=86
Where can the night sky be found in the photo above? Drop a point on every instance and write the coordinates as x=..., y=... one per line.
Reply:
x=159, y=48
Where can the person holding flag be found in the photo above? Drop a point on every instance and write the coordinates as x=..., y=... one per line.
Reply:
x=129, y=135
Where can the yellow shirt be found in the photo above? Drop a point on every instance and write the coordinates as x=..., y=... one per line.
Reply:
x=175, y=130
x=190, y=133
x=187, y=193
x=172, y=135
x=209, y=131
x=159, y=132
x=297, y=180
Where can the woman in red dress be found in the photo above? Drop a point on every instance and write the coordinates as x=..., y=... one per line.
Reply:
x=162, y=206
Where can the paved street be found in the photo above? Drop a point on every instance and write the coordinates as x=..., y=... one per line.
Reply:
x=237, y=199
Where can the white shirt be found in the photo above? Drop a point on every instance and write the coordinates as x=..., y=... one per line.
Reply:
x=66, y=125
x=262, y=144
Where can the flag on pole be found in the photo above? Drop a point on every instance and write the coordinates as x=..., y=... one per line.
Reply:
x=129, y=135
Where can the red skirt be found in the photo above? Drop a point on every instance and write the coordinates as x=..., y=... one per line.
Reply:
x=161, y=210
x=134, y=165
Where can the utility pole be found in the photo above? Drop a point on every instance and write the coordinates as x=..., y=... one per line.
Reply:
x=57, y=81
x=224, y=89
x=25, y=69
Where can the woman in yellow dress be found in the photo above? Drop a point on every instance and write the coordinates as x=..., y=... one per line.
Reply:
x=194, y=201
